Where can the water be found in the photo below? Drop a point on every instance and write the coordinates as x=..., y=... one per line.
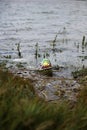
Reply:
x=35, y=21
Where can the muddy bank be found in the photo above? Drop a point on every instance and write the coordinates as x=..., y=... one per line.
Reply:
x=51, y=87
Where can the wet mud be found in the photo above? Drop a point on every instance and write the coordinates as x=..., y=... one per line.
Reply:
x=51, y=88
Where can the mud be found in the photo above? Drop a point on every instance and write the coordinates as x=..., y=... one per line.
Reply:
x=51, y=88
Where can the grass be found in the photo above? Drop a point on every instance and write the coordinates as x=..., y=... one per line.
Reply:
x=80, y=73
x=81, y=76
x=21, y=109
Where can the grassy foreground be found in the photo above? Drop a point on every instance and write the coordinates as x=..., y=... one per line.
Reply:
x=21, y=109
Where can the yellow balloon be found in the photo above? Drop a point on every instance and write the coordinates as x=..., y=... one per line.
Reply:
x=45, y=64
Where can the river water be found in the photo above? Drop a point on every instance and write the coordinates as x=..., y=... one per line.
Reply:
x=34, y=25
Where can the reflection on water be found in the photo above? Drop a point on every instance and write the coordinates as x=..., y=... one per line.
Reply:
x=58, y=27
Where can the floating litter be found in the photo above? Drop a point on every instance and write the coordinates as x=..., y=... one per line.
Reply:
x=46, y=64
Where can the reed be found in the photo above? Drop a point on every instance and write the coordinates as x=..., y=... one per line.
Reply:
x=19, y=50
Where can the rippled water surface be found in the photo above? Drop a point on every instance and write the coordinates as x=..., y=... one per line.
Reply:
x=28, y=22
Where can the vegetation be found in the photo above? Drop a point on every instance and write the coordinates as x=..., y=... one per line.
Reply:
x=81, y=76
x=21, y=109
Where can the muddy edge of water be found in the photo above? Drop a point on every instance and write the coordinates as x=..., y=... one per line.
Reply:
x=51, y=88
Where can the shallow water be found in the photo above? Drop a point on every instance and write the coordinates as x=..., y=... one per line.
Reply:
x=35, y=21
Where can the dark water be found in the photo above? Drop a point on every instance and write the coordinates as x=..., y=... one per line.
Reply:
x=35, y=21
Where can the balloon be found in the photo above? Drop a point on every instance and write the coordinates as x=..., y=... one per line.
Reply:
x=46, y=63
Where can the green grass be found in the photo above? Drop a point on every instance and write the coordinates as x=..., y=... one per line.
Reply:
x=81, y=76
x=21, y=109
x=80, y=73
